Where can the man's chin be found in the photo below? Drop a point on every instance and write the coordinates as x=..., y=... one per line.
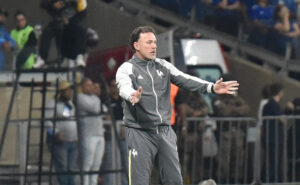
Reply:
x=152, y=57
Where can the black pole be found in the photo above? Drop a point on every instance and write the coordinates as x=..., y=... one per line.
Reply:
x=28, y=130
x=44, y=93
x=77, y=123
x=7, y=119
x=54, y=127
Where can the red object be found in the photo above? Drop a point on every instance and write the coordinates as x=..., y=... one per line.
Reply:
x=106, y=62
x=173, y=94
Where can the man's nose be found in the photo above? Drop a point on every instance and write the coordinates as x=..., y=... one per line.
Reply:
x=154, y=45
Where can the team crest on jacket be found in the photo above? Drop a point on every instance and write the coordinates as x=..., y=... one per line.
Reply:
x=160, y=73
x=134, y=153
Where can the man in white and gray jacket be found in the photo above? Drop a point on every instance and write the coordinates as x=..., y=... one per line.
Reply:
x=144, y=84
x=91, y=131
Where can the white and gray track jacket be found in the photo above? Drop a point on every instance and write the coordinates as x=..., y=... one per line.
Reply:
x=154, y=76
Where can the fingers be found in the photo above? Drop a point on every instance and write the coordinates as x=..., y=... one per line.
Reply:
x=219, y=81
x=231, y=92
x=233, y=88
x=140, y=89
x=132, y=100
x=232, y=83
x=136, y=96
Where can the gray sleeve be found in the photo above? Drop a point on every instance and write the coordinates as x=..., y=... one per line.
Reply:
x=124, y=81
x=88, y=104
x=187, y=81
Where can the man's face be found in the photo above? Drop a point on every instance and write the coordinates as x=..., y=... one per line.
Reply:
x=97, y=89
x=87, y=87
x=113, y=87
x=2, y=19
x=67, y=93
x=21, y=21
x=146, y=46
x=281, y=93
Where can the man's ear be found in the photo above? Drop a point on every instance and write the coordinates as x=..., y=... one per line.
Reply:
x=136, y=46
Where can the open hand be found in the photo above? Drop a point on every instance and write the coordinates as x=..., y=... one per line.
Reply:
x=229, y=87
x=136, y=96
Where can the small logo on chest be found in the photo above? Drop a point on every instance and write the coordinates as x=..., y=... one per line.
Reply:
x=160, y=73
x=134, y=153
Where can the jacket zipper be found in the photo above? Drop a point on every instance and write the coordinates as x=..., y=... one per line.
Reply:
x=156, y=99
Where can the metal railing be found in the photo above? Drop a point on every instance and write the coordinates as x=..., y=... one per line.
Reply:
x=241, y=150
x=229, y=150
x=20, y=170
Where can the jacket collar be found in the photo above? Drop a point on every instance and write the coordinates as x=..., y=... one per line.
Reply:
x=138, y=60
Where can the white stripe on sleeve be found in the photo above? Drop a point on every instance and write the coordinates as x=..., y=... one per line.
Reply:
x=124, y=81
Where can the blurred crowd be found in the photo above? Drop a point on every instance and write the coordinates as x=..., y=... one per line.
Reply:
x=30, y=45
x=271, y=24
x=88, y=140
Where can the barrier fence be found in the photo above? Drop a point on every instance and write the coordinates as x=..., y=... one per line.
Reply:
x=228, y=150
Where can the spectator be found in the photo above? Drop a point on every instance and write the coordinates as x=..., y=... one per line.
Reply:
x=273, y=136
x=54, y=29
x=6, y=42
x=227, y=16
x=65, y=27
x=290, y=4
x=191, y=104
x=261, y=15
x=265, y=98
x=117, y=110
x=62, y=133
x=75, y=33
x=91, y=131
x=232, y=135
x=26, y=40
x=287, y=30
x=116, y=100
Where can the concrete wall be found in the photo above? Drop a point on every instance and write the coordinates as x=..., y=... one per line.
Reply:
x=253, y=78
x=20, y=111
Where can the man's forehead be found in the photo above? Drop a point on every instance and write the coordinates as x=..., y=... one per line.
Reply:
x=147, y=36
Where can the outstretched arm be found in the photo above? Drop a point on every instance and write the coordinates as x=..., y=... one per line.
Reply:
x=229, y=87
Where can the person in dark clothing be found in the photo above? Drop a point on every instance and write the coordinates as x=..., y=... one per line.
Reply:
x=227, y=16
x=116, y=100
x=26, y=40
x=273, y=136
x=54, y=29
x=287, y=31
x=74, y=38
x=67, y=26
